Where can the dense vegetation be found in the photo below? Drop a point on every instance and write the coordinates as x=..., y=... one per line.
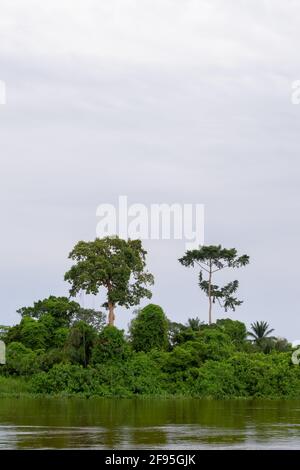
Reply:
x=60, y=348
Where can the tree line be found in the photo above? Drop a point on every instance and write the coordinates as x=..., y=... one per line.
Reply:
x=58, y=347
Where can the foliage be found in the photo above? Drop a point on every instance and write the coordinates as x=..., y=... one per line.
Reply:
x=61, y=310
x=94, y=318
x=20, y=360
x=14, y=386
x=114, y=264
x=179, y=333
x=212, y=259
x=58, y=353
x=149, y=329
x=236, y=330
x=195, y=324
x=139, y=375
x=110, y=345
x=79, y=343
x=260, y=331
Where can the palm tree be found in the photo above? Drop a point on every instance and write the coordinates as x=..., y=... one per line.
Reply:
x=260, y=332
x=194, y=323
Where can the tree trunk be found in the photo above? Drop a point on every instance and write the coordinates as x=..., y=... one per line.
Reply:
x=111, y=314
x=209, y=294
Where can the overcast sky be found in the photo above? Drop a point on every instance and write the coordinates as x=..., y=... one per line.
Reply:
x=162, y=101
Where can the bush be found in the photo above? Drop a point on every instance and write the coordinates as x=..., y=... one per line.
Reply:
x=139, y=375
x=149, y=330
x=236, y=331
x=80, y=342
x=14, y=385
x=68, y=379
x=216, y=380
x=213, y=344
x=21, y=360
x=110, y=346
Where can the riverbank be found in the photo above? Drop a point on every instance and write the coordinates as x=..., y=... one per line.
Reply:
x=213, y=383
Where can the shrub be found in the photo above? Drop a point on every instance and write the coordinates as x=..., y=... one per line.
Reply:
x=149, y=330
x=236, y=331
x=110, y=346
x=21, y=360
x=80, y=342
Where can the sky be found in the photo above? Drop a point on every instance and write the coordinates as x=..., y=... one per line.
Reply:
x=162, y=101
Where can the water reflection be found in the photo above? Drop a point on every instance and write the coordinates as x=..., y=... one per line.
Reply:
x=28, y=423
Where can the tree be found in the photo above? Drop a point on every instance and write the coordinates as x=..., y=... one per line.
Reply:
x=149, y=329
x=113, y=264
x=212, y=259
x=60, y=308
x=91, y=317
x=34, y=334
x=261, y=333
x=194, y=323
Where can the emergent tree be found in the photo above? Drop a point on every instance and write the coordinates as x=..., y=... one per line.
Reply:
x=212, y=259
x=114, y=264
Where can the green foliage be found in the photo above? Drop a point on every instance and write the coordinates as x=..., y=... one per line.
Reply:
x=46, y=360
x=195, y=324
x=60, y=337
x=68, y=379
x=60, y=348
x=114, y=264
x=212, y=259
x=139, y=375
x=4, y=329
x=20, y=360
x=80, y=342
x=260, y=331
x=110, y=346
x=91, y=317
x=216, y=380
x=14, y=386
x=179, y=333
x=236, y=331
x=282, y=345
x=61, y=309
x=149, y=329
x=34, y=334
x=215, y=344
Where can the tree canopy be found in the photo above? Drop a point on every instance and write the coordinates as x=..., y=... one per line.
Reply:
x=118, y=266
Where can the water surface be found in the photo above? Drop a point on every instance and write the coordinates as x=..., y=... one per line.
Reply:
x=37, y=423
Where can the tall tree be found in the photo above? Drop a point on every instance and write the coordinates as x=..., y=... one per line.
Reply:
x=113, y=264
x=212, y=259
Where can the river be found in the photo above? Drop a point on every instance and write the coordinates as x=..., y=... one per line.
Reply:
x=50, y=423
